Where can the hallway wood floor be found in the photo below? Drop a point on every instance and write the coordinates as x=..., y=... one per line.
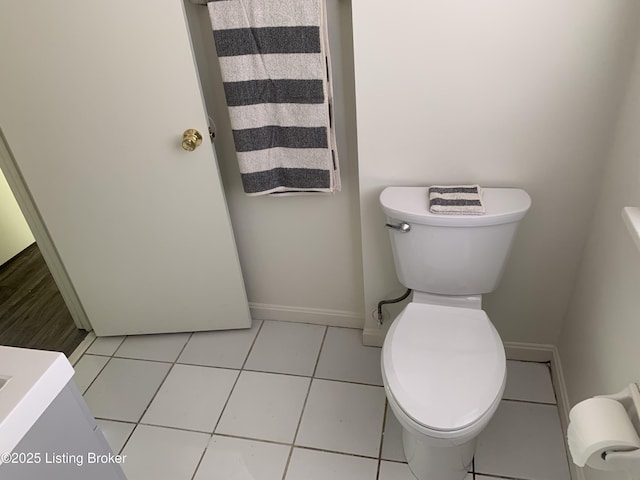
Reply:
x=32, y=311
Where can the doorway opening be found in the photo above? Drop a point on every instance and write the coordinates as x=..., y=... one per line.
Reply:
x=33, y=313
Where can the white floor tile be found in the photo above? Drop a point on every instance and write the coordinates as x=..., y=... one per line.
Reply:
x=523, y=440
x=395, y=471
x=124, y=388
x=116, y=433
x=191, y=398
x=401, y=471
x=162, y=347
x=87, y=369
x=343, y=417
x=264, y=406
x=314, y=465
x=286, y=347
x=392, y=448
x=239, y=459
x=529, y=381
x=163, y=453
x=343, y=357
x=105, y=346
x=225, y=348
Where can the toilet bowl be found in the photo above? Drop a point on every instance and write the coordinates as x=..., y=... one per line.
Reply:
x=444, y=372
x=443, y=363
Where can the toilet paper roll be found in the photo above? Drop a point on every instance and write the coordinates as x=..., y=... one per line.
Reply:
x=596, y=426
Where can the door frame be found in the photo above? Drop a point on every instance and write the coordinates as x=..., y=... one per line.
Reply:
x=39, y=230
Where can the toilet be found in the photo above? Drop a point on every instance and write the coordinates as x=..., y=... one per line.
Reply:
x=443, y=362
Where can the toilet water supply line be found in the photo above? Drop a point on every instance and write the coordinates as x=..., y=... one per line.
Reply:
x=394, y=300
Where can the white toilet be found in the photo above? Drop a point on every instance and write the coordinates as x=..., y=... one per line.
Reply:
x=443, y=362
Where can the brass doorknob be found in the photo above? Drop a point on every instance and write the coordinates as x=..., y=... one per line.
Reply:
x=191, y=139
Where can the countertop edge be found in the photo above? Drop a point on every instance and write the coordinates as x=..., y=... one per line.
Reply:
x=29, y=397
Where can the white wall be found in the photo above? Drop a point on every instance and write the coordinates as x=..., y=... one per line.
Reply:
x=499, y=93
x=300, y=256
x=600, y=337
x=15, y=235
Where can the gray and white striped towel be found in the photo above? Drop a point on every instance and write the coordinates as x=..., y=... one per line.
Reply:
x=456, y=199
x=274, y=59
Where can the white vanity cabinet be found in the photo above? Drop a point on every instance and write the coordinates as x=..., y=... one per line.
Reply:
x=65, y=443
x=46, y=428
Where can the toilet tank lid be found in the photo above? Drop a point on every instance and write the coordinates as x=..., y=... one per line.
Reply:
x=411, y=204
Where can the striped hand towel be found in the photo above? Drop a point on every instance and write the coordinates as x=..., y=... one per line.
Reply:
x=457, y=199
x=274, y=59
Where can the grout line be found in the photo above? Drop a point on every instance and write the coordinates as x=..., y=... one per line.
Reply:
x=224, y=407
x=292, y=445
x=139, y=422
x=284, y=444
x=94, y=378
x=104, y=366
x=384, y=425
x=348, y=454
x=351, y=382
x=95, y=355
x=119, y=345
x=236, y=369
x=128, y=438
x=135, y=424
x=221, y=367
x=124, y=422
x=394, y=461
x=324, y=337
x=255, y=339
x=252, y=439
x=171, y=427
x=157, y=389
x=204, y=452
x=173, y=364
x=500, y=477
x=533, y=402
x=551, y=377
x=154, y=395
x=140, y=359
x=304, y=405
x=311, y=323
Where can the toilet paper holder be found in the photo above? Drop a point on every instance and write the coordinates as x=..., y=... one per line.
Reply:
x=624, y=458
x=628, y=460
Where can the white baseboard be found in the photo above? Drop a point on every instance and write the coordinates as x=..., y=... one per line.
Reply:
x=564, y=406
x=319, y=316
x=373, y=337
x=549, y=353
x=80, y=349
x=529, y=352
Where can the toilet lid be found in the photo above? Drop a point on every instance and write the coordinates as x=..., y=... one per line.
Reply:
x=444, y=366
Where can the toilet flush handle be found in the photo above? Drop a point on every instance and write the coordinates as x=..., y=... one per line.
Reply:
x=403, y=227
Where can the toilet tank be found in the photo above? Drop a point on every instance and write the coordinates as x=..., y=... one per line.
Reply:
x=452, y=254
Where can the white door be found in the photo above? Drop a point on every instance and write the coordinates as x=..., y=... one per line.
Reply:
x=94, y=99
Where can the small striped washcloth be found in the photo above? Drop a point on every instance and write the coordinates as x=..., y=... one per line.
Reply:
x=456, y=199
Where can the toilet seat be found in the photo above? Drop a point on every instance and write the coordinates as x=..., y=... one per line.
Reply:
x=444, y=367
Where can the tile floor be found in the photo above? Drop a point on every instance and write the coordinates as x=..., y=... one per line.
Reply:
x=288, y=401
